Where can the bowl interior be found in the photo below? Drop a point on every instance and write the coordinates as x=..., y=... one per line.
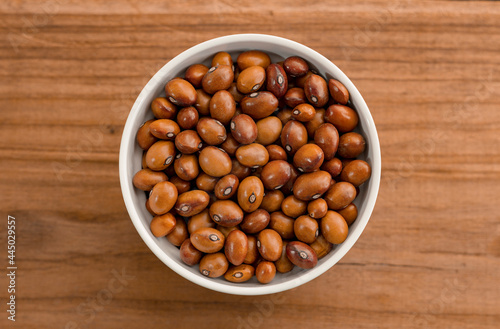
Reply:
x=131, y=155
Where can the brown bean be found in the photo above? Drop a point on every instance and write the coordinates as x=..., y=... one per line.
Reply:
x=269, y=244
x=162, y=108
x=315, y=122
x=211, y=131
x=144, y=137
x=243, y=129
x=146, y=179
x=162, y=225
x=181, y=185
x=189, y=254
x=214, y=161
x=164, y=129
x=217, y=78
x=252, y=155
x=188, y=117
x=282, y=224
x=303, y=112
x=239, y=170
x=180, y=92
x=275, y=174
x=191, y=203
x=230, y=145
x=226, y=230
x=226, y=213
x=338, y=91
x=276, y=152
x=308, y=158
x=148, y=208
x=222, y=106
x=162, y=197
x=179, y=234
x=333, y=167
x=356, y=172
x=240, y=273
x=327, y=137
x=317, y=208
x=144, y=165
x=306, y=229
x=202, y=104
x=301, y=81
x=283, y=264
x=295, y=66
x=233, y=90
x=250, y=193
x=272, y=200
x=214, y=265
x=351, y=145
x=160, y=155
x=321, y=246
x=295, y=96
x=265, y=272
x=288, y=187
x=316, y=90
x=186, y=166
x=277, y=81
x=268, y=130
x=253, y=251
x=195, y=73
x=207, y=240
x=342, y=117
x=200, y=220
x=236, y=247
x=311, y=186
x=340, y=195
x=226, y=187
x=350, y=213
x=334, y=227
x=222, y=58
x=206, y=182
x=293, y=207
x=259, y=105
x=293, y=136
x=188, y=142
x=255, y=222
x=253, y=57
x=301, y=255
x=251, y=79
x=284, y=115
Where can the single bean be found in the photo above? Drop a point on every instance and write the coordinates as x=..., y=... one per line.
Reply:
x=200, y=220
x=179, y=233
x=282, y=224
x=222, y=58
x=195, y=73
x=253, y=57
x=294, y=97
x=226, y=213
x=311, y=186
x=180, y=92
x=206, y=182
x=356, y=172
x=338, y=91
x=217, y=78
x=255, y=222
x=236, y=247
x=162, y=108
x=340, y=195
x=214, y=161
x=226, y=187
x=316, y=90
x=275, y=174
x=188, y=117
x=211, y=131
x=253, y=251
x=276, y=152
x=272, y=201
x=295, y=66
x=222, y=106
x=277, y=81
x=252, y=155
x=317, y=208
x=189, y=254
x=321, y=246
x=181, y=185
x=162, y=197
x=293, y=207
x=283, y=264
x=240, y=273
x=146, y=179
x=350, y=213
x=250, y=193
x=243, y=129
x=144, y=137
x=191, y=203
x=306, y=229
x=308, y=158
x=342, y=117
x=333, y=167
x=268, y=130
x=162, y=225
x=269, y=244
x=334, y=227
x=259, y=105
x=186, y=166
x=327, y=137
x=251, y=79
x=293, y=136
x=265, y=272
x=207, y=240
x=214, y=265
x=351, y=145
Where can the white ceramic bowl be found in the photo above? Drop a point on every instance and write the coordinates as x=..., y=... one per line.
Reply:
x=131, y=155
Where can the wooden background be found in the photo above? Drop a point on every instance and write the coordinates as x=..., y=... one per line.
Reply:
x=430, y=73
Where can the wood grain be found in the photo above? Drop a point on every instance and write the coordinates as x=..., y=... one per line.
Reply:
x=430, y=73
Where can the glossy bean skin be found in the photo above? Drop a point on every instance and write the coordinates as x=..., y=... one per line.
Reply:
x=195, y=73
x=340, y=195
x=217, y=78
x=306, y=229
x=202, y=104
x=317, y=208
x=321, y=246
x=277, y=81
x=191, y=203
x=214, y=161
x=164, y=129
x=283, y=264
x=301, y=255
x=282, y=224
x=188, y=117
x=284, y=115
x=311, y=186
x=233, y=90
x=303, y=112
x=186, y=166
x=293, y=136
x=226, y=230
x=240, y=273
x=200, y=220
x=351, y=145
x=293, y=207
x=252, y=58
x=226, y=187
x=327, y=137
x=181, y=185
x=206, y=182
x=222, y=58
x=259, y=105
x=230, y=145
x=288, y=187
x=269, y=244
x=333, y=167
x=251, y=79
x=214, y=265
x=313, y=124
x=243, y=129
x=295, y=96
x=162, y=225
x=207, y=240
x=146, y=179
x=252, y=155
x=301, y=81
x=342, y=117
x=162, y=108
x=308, y=158
x=162, y=197
x=276, y=152
x=189, y=254
x=265, y=272
x=179, y=233
x=295, y=66
x=250, y=193
x=275, y=174
x=222, y=106
x=240, y=170
x=316, y=90
x=144, y=137
x=226, y=213
x=268, y=130
x=255, y=222
x=180, y=92
x=338, y=91
x=211, y=131
x=253, y=251
x=334, y=227
x=272, y=201
x=356, y=172
x=350, y=213
x=236, y=247
x=188, y=142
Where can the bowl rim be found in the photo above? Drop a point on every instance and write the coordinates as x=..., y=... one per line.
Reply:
x=128, y=138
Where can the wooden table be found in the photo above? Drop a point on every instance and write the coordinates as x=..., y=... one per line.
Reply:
x=430, y=73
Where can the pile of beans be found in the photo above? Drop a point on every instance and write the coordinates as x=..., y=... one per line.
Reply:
x=250, y=168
